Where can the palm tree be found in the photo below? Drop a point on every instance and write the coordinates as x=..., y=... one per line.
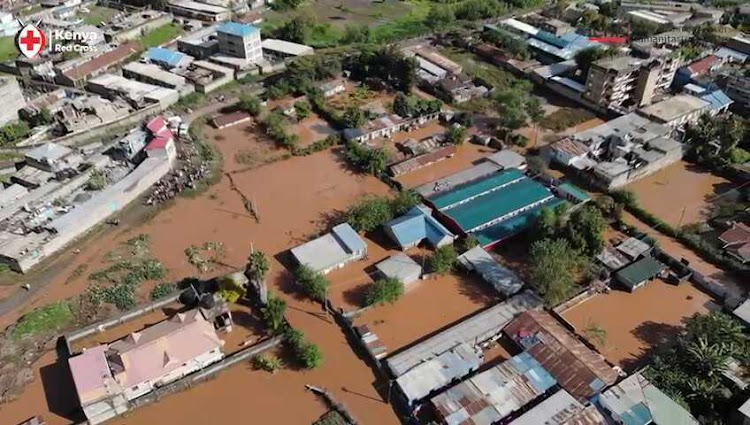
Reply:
x=273, y=314
x=710, y=359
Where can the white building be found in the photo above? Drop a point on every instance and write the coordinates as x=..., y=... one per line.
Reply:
x=332, y=250
x=240, y=40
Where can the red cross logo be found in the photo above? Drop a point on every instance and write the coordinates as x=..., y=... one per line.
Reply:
x=31, y=41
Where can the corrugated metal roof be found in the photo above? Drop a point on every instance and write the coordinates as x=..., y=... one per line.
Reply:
x=514, y=225
x=579, y=370
x=560, y=409
x=643, y=269
x=160, y=54
x=349, y=237
x=494, y=394
x=501, y=278
x=476, y=329
x=478, y=187
x=418, y=224
x=447, y=183
x=238, y=29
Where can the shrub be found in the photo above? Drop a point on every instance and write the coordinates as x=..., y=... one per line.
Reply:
x=162, y=290
x=273, y=315
x=443, y=259
x=268, y=362
x=387, y=290
x=230, y=288
x=310, y=355
x=98, y=180
x=314, y=284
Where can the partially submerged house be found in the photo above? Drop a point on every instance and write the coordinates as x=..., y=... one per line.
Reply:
x=736, y=241
x=418, y=225
x=639, y=273
x=401, y=267
x=332, y=250
x=504, y=280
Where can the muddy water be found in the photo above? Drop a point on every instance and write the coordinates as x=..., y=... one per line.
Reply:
x=677, y=188
x=639, y=322
x=468, y=154
x=294, y=199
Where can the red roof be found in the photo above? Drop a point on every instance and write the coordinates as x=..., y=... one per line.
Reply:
x=158, y=143
x=701, y=66
x=102, y=61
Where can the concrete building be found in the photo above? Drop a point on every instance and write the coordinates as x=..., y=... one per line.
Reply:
x=400, y=266
x=167, y=58
x=138, y=94
x=331, y=251
x=77, y=75
x=240, y=40
x=736, y=242
x=636, y=401
x=132, y=26
x=737, y=86
x=53, y=158
x=206, y=76
x=494, y=394
x=202, y=11
x=676, y=111
x=9, y=25
x=580, y=371
x=13, y=98
x=282, y=49
x=639, y=273
x=108, y=376
x=200, y=44
x=153, y=74
x=623, y=83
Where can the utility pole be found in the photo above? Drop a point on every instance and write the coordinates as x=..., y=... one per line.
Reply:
x=679, y=224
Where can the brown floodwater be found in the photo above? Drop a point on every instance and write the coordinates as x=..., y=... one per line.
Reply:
x=295, y=199
x=638, y=322
x=680, y=189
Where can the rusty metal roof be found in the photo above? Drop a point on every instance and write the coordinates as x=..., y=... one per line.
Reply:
x=579, y=370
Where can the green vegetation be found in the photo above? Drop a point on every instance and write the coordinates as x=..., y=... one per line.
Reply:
x=553, y=268
x=99, y=14
x=565, y=118
x=250, y=104
x=204, y=257
x=354, y=117
x=302, y=108
x=47, y=319
x=123, y=278
x=442, y=260
x=412, y=106
x=98, y=180
x=8, y=48
x=387, y=290
x=368, y=160
x=457, y=134
x=690, y=371
x=594, y=331
x=161, y=35
x=385, y=64
x=268, y=362
x=231, y=288
x=162, y=290
x=276, y=126
x=508, y=43
x=307, y=353
x=313, y=284
x=257, y=266
x=273, y=315
x=14, y=132
x=373, y=211
x=586, y=57
x=190, y=101
x=718, y=142
x=285, y=5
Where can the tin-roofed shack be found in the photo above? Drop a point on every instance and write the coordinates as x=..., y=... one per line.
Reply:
x=579, y=370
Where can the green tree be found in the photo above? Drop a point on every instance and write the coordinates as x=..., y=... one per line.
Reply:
x=354, y=117
x=297, y=29
x=250, y=104
x=585, y=230
x=369, y=214
x=268, y=362
x=356, y=34
x=387, y=290
x=440, y=16
x=584, y=58
x=273, y=315
x=303, y=109
x=257, y=266
x=404, y=201
x=310, y=355
x=369, y=160
x=314, y=284
x=443, y=259
x=536, y=114
x=457, y=134
x=284, y=5
x=553, y=267
x=230, y=288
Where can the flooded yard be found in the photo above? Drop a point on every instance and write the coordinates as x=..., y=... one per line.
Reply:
x=467, y=155
x=637, y=323
x=681, y=193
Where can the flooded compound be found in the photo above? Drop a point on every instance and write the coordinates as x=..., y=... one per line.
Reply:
x=637, y=323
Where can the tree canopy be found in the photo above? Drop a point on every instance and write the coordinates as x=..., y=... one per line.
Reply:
x=387, y=290
x=386, y=64
x=553, y=268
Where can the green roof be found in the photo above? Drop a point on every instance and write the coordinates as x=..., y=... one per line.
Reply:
x=510, y=227
x=643, y=269
x=466, y=191
x=493, y=205
x=576, y=191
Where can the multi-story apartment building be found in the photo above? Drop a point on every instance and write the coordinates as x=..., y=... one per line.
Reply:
x=737, y=86
x=240, y=40
x=624, y=83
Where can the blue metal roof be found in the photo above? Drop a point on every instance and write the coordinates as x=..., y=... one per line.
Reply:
x=417, y=224
x=534, y=372
x=349, y=237
x=717, y=98
x=160, y=54
x=237, y=28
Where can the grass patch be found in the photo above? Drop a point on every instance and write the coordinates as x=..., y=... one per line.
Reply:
x=8, y=49
x=161, y=35
x=407, y=25
x=99, y=14
x=565, y=118
x=49, y=318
